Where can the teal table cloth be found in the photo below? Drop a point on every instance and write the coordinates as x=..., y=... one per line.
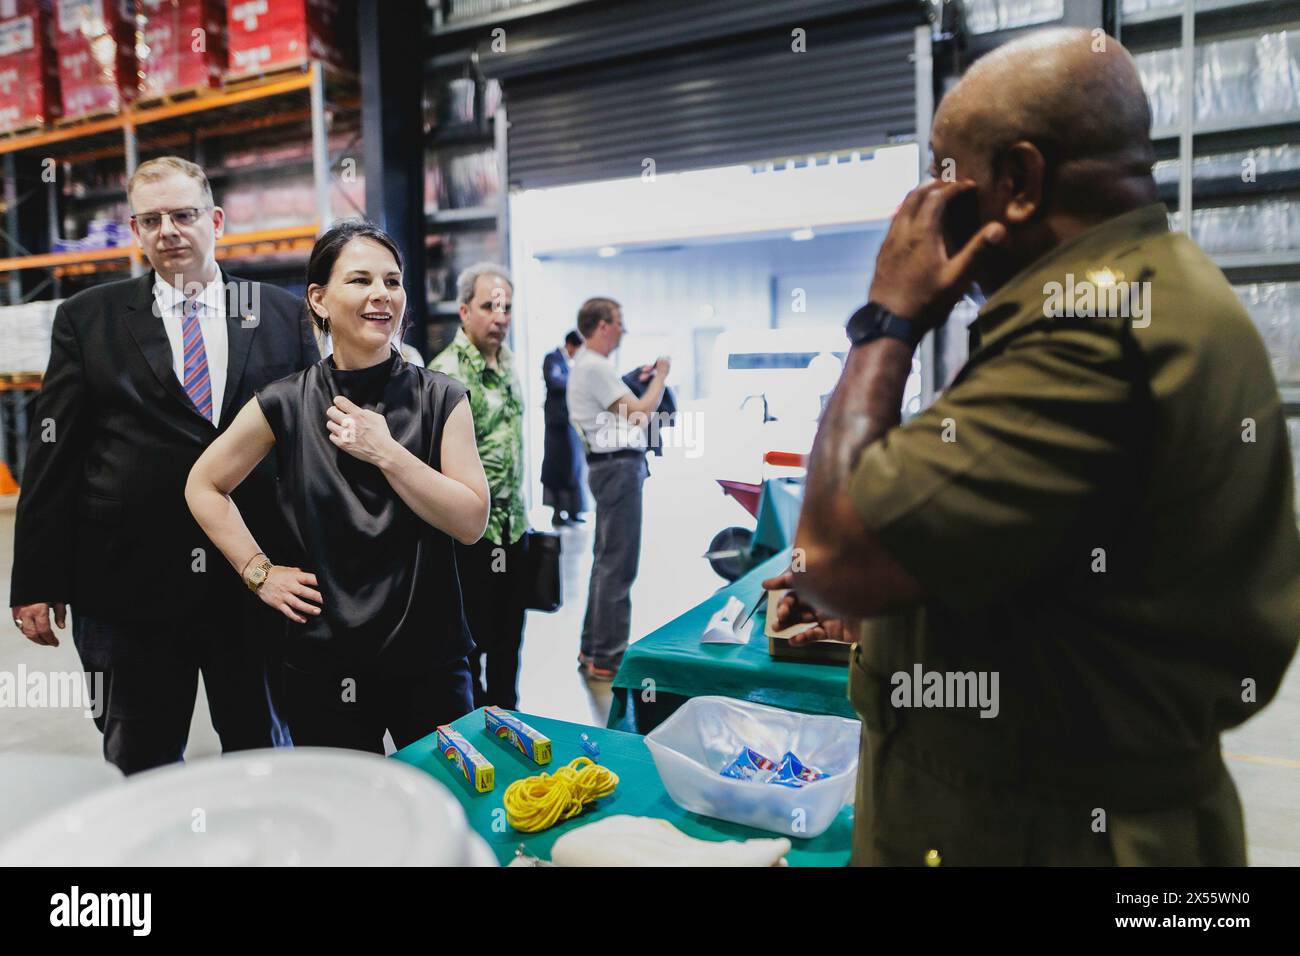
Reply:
x=673, y=661
x=640, y=792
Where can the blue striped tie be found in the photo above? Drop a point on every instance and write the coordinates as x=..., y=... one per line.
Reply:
x=198, y=386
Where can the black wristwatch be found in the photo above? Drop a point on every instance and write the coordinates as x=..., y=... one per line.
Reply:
x=874, y=321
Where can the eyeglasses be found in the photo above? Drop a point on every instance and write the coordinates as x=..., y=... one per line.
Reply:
x=152, y=221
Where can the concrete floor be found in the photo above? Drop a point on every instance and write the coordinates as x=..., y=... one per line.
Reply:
x=683, y=510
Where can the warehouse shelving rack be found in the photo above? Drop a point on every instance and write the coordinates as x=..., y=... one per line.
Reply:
x=1181, y=26
x=454, y=56
x=312, y=94
x=310, y=99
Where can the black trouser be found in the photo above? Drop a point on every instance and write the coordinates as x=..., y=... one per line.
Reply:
x=151, y=675
x=351, y=707
x=490, y=588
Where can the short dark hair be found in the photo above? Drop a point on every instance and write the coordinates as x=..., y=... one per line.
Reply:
x=320, y=266
x=595, y=311
x=574, y=339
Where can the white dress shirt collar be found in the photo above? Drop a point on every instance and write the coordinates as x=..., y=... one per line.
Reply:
x=172, y=299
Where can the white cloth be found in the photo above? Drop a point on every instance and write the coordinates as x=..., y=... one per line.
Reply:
x=594, y=386
x=170, y=303
x=648, y=841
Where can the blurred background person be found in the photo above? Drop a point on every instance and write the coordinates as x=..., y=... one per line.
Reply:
x=562, y=457
x=376, y=638
x=612, y=423
x=490, y=569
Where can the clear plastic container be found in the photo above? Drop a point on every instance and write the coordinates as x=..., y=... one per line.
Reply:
x=705, y=734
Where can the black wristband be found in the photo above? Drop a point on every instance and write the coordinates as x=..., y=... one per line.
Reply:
x=874, y=321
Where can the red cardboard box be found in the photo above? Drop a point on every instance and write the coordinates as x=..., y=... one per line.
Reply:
x=186, y=42
x=265, y=35
x=29, y=72
x=95, y=40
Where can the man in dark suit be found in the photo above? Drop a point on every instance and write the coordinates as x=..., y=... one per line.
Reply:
x=562, y=458
x=143, y=374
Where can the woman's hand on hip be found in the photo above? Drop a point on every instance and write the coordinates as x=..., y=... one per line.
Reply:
x=359, y=432
x=289, y=590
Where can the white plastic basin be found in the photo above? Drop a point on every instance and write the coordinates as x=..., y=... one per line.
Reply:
x=705, y=734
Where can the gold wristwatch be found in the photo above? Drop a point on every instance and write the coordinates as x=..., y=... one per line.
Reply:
x=256, y=576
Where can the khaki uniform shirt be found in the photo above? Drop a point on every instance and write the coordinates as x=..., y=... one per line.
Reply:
x=1100, y=510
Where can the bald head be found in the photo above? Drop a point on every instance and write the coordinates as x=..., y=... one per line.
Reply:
x=1074, y=93
x=1053, y=129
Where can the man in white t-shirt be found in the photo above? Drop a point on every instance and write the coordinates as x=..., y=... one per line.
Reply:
x=612, y=424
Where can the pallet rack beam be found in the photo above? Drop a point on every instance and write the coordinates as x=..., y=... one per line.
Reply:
x=320, y=160
x=313, y=76
x=245, y=106
x=11, y=221
x=392, y=46
x=131, y=151
x=1188, y=108
x=57, y=260
x=923, y=64
x=60, y=134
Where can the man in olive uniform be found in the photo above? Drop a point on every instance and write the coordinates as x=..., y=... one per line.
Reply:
x=1080, y=564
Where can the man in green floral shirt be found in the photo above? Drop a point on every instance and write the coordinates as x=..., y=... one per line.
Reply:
x=479, y=358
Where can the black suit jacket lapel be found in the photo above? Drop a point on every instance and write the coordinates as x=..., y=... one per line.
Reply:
x=146, y=327
x=243, y=319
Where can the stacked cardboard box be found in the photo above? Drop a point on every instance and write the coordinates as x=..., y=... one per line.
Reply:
x=95, y=40
x=29, y=72
x=266, y=35
x=186, y=42
x=25, y=336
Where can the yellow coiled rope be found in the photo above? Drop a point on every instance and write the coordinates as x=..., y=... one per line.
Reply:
x=536, y=803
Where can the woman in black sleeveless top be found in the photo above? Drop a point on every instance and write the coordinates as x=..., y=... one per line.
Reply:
x=379, y=472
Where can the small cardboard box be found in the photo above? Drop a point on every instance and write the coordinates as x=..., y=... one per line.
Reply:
x=186, y=43
x=472, y=765
x=98, y=70
x=778, y=641
x=533, y=744
x=266, y=35
x=29, y=70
